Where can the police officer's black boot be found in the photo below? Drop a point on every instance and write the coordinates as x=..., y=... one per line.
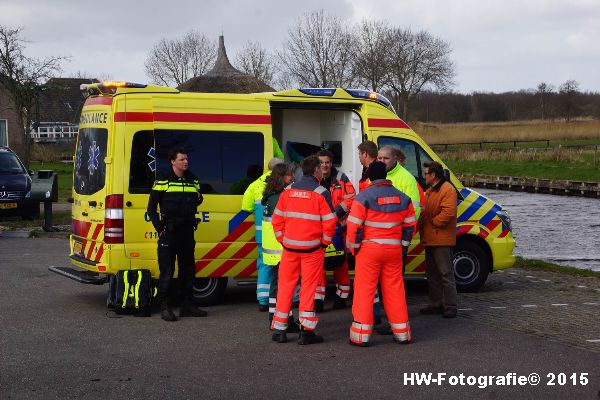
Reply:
x=188, y=309
x=166, y=313
x=308, y=337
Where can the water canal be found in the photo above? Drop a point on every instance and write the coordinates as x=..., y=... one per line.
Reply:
x=559, y=229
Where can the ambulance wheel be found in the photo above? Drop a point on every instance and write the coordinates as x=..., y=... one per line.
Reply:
x=209, y=291
x=471, y=266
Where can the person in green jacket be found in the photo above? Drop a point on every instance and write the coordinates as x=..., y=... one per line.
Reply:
x=401, y=178
x=251, y=202
x=277, y=153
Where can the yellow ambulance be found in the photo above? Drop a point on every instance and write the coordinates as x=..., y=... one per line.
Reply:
x=126, y=130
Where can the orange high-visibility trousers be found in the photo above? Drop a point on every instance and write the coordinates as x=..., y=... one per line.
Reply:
x=294, y=264
x=379, y=262
x=341, y=278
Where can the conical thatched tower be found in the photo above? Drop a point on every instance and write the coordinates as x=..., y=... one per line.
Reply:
x=224, y=78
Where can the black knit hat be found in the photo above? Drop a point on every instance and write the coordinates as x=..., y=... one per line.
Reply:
x=376, y=171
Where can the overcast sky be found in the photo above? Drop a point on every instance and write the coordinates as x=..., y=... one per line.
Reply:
x=498, y=45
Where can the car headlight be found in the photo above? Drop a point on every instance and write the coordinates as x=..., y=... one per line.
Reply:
x=28, y=195
x=505, y=218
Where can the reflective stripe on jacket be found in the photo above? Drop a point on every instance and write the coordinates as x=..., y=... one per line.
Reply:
x=405, y=182
x=177, y=198
x=304, y=219
x=381, y=214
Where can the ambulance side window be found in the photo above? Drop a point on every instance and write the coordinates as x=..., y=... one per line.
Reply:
x=409, y=149
x=220, y=160
x=142, y=165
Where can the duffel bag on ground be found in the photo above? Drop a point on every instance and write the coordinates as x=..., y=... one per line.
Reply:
x=130, y=291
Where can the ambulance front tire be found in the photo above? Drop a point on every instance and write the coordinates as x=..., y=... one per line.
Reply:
x=471, y=266
x=209, y=291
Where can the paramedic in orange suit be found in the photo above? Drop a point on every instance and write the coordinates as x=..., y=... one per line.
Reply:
x=380, y=226
x=304, y=224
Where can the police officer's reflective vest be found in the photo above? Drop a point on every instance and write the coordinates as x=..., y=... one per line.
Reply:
x=178, y=198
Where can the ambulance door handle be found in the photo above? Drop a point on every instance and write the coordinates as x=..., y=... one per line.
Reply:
x=129, y=204
x=92, y=203
x=84, y=214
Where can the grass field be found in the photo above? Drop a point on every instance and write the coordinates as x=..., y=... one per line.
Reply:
x=557, y=131
x=546, y=154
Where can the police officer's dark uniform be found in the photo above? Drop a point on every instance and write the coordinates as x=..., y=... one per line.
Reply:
x=178, y=199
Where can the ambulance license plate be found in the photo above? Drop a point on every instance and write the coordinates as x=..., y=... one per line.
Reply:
x=6, y=206
x=77, y=248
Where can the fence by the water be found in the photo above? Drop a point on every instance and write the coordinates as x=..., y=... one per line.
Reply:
x=532, y=185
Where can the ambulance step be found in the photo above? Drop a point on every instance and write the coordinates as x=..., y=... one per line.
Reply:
x=81, y=276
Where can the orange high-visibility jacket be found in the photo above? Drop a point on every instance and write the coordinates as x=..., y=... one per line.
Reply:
x=342, y=193
x=303, y=219
x=381, y=214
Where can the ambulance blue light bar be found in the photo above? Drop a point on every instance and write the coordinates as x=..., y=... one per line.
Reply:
x=318, y=91
x=366, y=94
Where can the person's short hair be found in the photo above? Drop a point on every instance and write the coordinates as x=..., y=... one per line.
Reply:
x=309, y=164
x=436, y=168
x=376, y=171
x=325, y=153
x=368, y=147
x=173, y=151
x=395, y=152
x=398, y=154
x=274, y=161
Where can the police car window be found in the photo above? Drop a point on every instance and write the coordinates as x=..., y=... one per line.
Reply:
x=142, y=165
x=220, y=160
x=408, y=148
x=90, y=169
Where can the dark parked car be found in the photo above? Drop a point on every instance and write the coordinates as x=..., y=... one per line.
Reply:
x=15, y=187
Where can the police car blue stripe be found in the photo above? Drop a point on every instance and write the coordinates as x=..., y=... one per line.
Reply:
x=468, y=213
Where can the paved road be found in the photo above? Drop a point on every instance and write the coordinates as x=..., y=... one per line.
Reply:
x=57, y=340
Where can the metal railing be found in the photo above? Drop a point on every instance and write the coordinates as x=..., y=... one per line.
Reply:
x=54, y=132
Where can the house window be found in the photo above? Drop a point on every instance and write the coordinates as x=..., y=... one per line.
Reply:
x=3, y=132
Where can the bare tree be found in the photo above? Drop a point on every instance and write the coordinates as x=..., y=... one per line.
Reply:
x=543, y=92
x=255, y=60
x=371, y=62
x=417, y=61
x=318, y=51
x=22, y=77
x=172, y=62
x=568, y=93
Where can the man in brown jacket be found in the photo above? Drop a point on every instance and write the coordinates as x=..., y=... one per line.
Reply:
x=437, y=226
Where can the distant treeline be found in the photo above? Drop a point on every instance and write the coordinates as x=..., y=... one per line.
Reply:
x=510, y=106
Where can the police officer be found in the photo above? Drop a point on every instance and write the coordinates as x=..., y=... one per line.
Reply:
x=178, y=196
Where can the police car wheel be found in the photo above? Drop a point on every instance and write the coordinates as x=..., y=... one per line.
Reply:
x=209, y=291
x=471, y=266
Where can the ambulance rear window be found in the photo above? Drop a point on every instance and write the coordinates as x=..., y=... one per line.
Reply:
x=90, y=169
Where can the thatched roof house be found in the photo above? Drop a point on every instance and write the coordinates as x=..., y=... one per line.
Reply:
x=224, y=78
